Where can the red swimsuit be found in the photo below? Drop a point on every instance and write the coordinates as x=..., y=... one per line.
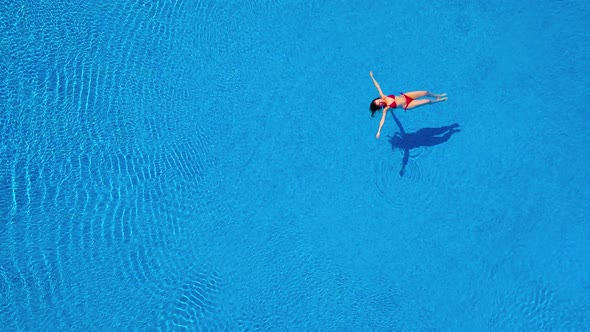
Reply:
x=394, y=104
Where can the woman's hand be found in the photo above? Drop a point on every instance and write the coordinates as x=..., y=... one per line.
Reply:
x=378, y=135
x=371, y=73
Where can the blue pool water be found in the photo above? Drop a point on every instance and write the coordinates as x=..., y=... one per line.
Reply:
x=212, y=165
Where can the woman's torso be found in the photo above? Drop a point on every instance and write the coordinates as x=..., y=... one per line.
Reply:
x=394, y=101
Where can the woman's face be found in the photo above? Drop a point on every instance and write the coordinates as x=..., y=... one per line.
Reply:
x=379, y=102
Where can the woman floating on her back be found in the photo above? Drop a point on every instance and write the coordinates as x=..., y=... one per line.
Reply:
x=406, y=100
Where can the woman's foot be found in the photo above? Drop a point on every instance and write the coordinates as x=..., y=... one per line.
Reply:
x=439, y=99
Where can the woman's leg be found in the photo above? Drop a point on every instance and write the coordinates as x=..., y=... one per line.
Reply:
x=420, y=102
x=416, y=103
x=418, y=94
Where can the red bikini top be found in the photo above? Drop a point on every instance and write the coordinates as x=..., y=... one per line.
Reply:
x=393, y=104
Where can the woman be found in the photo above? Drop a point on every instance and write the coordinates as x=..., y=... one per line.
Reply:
x=406, y=100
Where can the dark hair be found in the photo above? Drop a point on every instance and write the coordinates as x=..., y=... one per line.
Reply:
x=374, y=108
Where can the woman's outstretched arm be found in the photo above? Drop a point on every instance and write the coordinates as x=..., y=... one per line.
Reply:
x=377, y=85
x=382, y=121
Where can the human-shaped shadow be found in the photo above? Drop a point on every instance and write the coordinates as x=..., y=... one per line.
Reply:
x=423, y=137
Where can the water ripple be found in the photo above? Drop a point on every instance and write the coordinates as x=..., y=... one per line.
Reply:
x=402, y=185
x=112, y=157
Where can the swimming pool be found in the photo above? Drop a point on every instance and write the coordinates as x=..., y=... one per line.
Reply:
x=194, y=165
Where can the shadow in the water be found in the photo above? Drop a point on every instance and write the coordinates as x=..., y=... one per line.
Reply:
x=423, y=137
